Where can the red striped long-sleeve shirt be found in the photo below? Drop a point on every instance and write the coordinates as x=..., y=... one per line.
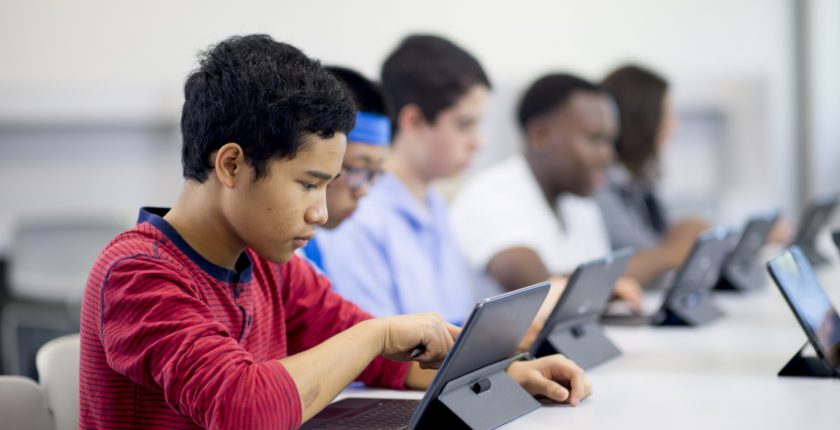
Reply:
x=170, y=340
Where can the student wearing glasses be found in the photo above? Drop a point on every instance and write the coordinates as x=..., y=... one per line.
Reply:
x=367, y=146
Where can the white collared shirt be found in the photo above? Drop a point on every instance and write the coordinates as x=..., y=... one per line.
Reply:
x=503, y=207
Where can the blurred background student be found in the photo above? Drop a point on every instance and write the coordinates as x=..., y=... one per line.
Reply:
x=632, y=208
x=531, y=217
x=367, y=147
x=630, y=200
x=397, y=253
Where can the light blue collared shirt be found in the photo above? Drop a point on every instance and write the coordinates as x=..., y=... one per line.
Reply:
x=395, y=256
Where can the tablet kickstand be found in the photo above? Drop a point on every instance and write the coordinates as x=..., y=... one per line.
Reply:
x=809, y=366
x=486, y=398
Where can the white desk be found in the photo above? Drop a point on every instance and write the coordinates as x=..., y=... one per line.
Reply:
x=719, y=376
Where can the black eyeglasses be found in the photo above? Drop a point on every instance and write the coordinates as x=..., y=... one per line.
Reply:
x=358, y=177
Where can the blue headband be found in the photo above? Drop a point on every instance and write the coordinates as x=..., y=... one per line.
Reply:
x=372, y=129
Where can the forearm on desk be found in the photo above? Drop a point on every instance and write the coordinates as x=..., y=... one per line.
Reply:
x=320, y=373
x=419, y=379
x=647, y=264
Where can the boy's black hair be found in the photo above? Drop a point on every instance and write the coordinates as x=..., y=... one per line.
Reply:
x=264, y=95
x=430, y=72
x=366, y=93
x=548, y=93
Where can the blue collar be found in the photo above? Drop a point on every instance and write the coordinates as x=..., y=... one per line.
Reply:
x=401, y=198
x=312, y=252
x=154, y=216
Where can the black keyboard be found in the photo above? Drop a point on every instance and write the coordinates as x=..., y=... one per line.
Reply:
x=390, y=414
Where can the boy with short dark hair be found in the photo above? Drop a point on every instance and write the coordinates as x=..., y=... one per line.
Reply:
x=397, y=253
x=531, y=216
x=202, y=316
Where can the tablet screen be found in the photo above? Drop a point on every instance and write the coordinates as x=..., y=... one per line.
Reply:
x=800, y=286
x=491, y=334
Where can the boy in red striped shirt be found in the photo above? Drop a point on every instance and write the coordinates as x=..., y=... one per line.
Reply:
x=202, y=317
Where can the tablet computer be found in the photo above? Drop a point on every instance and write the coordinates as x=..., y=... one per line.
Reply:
x=741, y=269
x=573, y=328
x=688, y=299
x=490, y=336
x=798, y=283
x=815, y=217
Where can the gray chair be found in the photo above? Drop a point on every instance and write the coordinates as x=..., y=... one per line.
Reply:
x=23, y=405
x=49, y=260
x=58, y=373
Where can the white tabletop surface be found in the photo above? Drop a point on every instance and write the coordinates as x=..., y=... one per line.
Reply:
x=719, y=376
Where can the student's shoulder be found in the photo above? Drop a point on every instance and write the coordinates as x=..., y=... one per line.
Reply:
x=372, y=218
x=505, y=177
x=500, y=187
x=581, y=206
x=142, y=246
x=380, y=199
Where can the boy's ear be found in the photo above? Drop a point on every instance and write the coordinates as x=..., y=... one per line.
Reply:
x=536, y=132
x=230, y=164
x=410, y=119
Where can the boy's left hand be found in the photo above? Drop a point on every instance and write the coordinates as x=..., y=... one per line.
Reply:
x=555, y=377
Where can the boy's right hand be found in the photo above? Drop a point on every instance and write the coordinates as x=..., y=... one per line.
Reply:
x=404, y=333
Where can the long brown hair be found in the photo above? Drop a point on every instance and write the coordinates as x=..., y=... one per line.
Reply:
x=639, y=94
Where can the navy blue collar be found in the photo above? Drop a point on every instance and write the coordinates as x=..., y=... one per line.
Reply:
x=154, y=216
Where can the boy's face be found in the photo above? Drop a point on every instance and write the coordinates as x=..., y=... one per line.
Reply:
x=450, y=142
x=277, y=214
x=579, y=138
x=362, y=163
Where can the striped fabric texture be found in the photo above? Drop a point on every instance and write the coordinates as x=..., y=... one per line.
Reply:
x=170, y=340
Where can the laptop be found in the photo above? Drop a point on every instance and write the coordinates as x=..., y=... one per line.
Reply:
x=741, y=269
x=813, y=220
x=573, y=327
x=688, y=300
x=490, y=336
x=798, y=283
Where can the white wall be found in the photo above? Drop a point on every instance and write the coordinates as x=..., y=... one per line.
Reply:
x=105, y=62
x=825, y=95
